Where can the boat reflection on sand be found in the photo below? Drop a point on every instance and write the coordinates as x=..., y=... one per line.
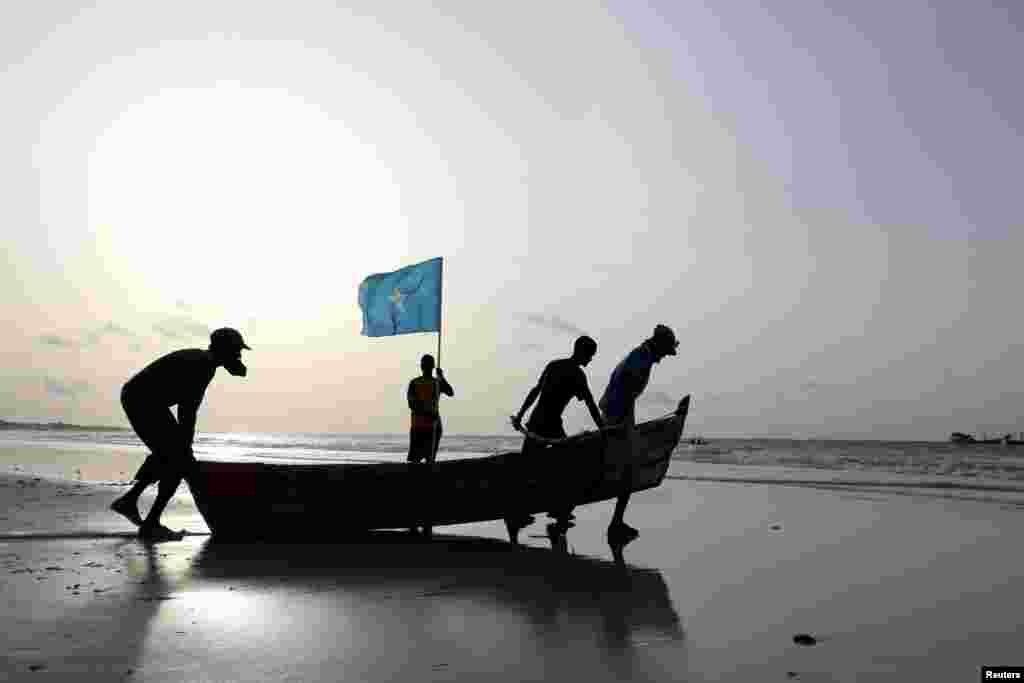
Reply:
x=557, y=592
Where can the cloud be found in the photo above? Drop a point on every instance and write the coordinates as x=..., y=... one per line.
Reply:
x=88, y=337
x=553, y=322
x=58, y=341
x=112, y=328
x=181, y=329
x=94, y=336
x=66, y=389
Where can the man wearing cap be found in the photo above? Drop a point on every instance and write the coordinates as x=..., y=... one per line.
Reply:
x=618, y=404
x=180, y=378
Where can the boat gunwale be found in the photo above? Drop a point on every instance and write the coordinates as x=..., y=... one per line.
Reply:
x=570, y=443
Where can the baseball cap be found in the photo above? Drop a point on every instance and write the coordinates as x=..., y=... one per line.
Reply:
x=228, y=337
x=665, y=338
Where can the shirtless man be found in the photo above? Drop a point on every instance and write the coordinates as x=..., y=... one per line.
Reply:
x=561, y=381
x=180, y=378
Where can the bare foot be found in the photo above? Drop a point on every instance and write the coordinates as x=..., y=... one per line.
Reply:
x=516, y=524
x=158, y=532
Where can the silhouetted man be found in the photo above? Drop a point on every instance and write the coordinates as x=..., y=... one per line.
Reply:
x=424, y=396
x=618, y=405
x=180, y=378
x=562, y=380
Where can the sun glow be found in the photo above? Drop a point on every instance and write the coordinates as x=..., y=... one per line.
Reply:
x=253, y=199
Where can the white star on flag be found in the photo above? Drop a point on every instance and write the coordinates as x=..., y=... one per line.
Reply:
x=396, y=298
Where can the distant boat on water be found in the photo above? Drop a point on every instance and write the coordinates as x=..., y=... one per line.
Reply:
x=1006, y=440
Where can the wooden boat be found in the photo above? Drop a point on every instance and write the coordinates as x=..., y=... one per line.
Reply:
x=283, y=501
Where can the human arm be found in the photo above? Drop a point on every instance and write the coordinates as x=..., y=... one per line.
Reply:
x=530, y=398
x=443, y=384
x=188, y=410
x=410, y=398
x=588, y=399
x=192, y=398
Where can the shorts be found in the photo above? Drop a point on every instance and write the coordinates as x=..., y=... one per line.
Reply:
x=160, y=432
x=551, y=430
x=423, y=444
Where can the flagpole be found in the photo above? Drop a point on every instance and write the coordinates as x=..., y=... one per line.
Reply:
x=440, y=317
x=437, y=382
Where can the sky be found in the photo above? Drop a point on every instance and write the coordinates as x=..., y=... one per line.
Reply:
x=820, y=198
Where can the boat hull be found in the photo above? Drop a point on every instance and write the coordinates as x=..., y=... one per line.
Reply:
x=263, y=500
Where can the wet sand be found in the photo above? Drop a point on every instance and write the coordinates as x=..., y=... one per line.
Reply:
x=721, y=579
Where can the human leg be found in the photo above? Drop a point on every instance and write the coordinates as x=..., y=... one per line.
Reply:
x=518, y=519
x=176, y=466
x=617, y=527
x=435, y=441
x=562, y=515
x=419, y=446
x=618, y=530
x=151, y=526
x=156, y=428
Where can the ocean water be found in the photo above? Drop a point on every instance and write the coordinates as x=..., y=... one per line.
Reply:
x=980, y=472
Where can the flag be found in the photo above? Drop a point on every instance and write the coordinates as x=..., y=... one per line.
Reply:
x=406, y=300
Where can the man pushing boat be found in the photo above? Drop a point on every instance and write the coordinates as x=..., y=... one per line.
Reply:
x=562, y=380
x=179, y=378
x=618, y=406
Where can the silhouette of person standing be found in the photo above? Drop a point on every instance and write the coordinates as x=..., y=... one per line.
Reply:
x=179, y=378
x=618, y=405
x=562, y=380
x=424, y=396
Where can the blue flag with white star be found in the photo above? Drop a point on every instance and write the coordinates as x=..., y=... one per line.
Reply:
x=406, y=300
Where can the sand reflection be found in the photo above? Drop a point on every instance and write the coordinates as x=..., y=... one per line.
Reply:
x=389, y=606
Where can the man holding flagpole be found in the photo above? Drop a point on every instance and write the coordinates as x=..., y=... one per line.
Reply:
x=424, y=397
x=405, y=301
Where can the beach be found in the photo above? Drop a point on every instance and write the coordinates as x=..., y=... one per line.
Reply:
x=722, y=578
